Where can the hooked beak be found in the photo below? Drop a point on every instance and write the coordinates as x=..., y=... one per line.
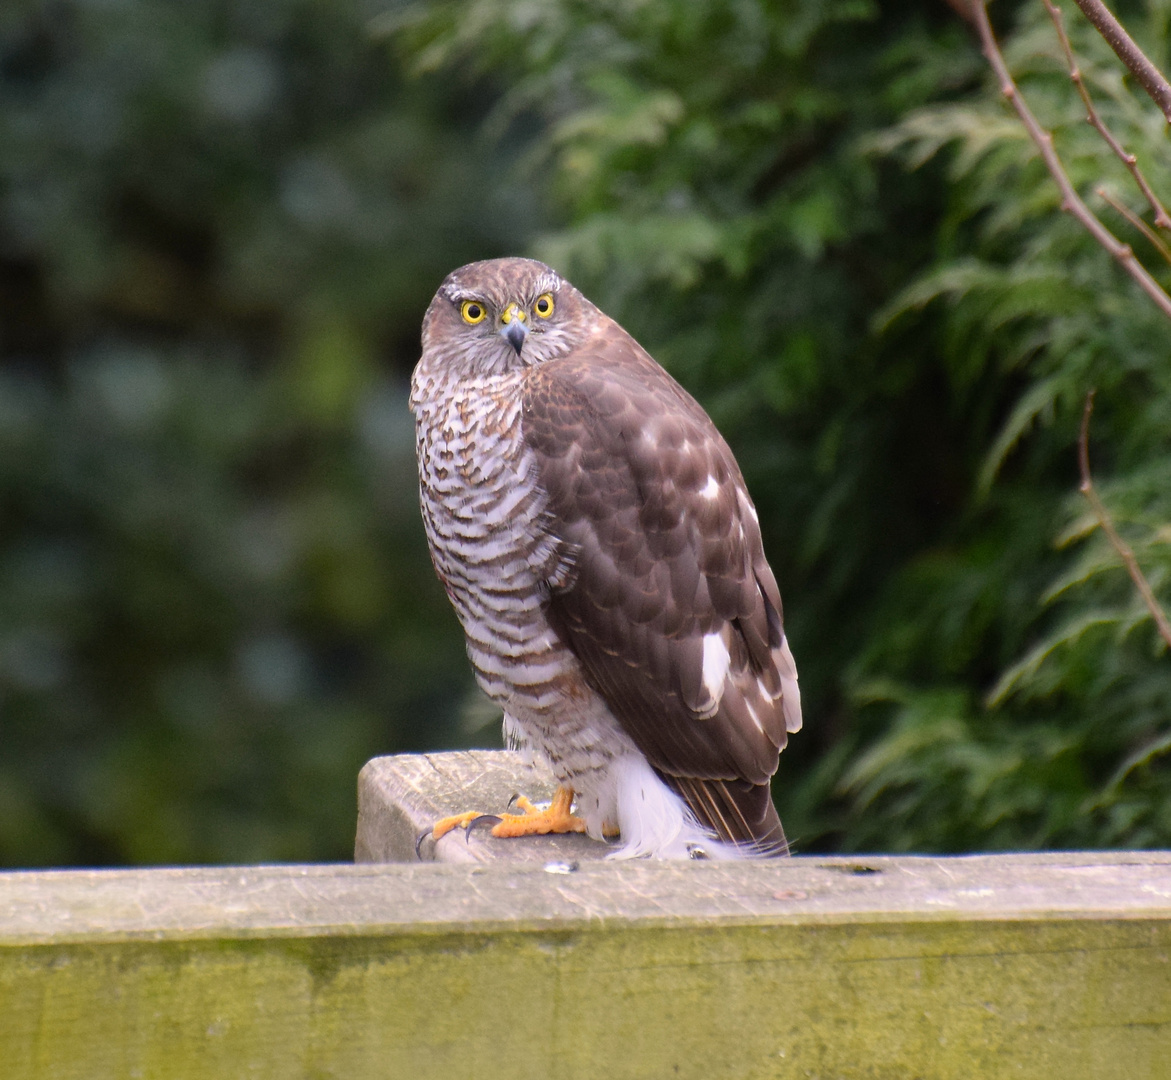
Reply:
x=514, y=328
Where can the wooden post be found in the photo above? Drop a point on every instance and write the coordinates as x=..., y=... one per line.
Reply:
x=400, y=797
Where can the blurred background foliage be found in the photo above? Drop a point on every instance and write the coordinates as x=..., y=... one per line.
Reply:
x=220, y=222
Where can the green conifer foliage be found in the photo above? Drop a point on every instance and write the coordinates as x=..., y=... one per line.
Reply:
x=827, y=222
x=220, y=223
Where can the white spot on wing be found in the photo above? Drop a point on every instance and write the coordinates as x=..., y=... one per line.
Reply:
x=711, y=489
x=715, y=665
x=790, y=693
x=746, y=503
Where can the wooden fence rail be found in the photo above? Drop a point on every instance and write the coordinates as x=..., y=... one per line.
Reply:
x=1046, y=966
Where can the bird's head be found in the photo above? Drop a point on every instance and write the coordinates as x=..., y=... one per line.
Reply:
x=493, y=316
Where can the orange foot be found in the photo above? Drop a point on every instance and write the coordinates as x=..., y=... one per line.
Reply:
x=531, y=822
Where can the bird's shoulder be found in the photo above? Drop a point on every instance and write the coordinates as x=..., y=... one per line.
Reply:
x=610, y=382
x=607, y=417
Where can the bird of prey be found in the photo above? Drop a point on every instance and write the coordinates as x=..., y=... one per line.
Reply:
x=595, y=536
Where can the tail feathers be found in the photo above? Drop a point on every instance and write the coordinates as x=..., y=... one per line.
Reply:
x=669, y=817
x=737, y=811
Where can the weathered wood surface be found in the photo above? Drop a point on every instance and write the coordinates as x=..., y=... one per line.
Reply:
x=529, y=958
x=199, y=903
x=401, y=797
x=1042, y=966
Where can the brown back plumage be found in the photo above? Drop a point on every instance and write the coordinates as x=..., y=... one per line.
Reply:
x=663, y=558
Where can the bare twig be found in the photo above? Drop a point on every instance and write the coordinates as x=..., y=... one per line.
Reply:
x=1137, y=222
x=1151, y=78
x=1107, y=523
x=1092, y=117
x=1071, y=202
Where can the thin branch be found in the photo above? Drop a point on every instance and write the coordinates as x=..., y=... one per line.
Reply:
x=1155, y=239
x=1107, y=523
x=1162, y=221
x=1151, y=78
x=1071, y=202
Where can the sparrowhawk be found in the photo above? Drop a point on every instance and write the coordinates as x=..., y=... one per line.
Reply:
x=595, y=536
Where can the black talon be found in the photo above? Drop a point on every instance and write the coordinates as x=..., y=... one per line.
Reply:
x=511, y=799
x=483, y=819
x=419, y=843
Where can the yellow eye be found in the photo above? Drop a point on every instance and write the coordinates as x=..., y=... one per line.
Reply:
x=473, y=312
x=544, y=305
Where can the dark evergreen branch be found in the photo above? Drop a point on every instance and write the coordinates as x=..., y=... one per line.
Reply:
x=1107, y=523
x=1071, y=201
x=1151, y=78
x=1092, y=117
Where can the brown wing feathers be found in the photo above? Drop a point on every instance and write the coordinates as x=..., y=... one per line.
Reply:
x=659, y=551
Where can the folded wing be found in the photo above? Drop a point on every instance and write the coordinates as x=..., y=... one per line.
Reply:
x=659, y=582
